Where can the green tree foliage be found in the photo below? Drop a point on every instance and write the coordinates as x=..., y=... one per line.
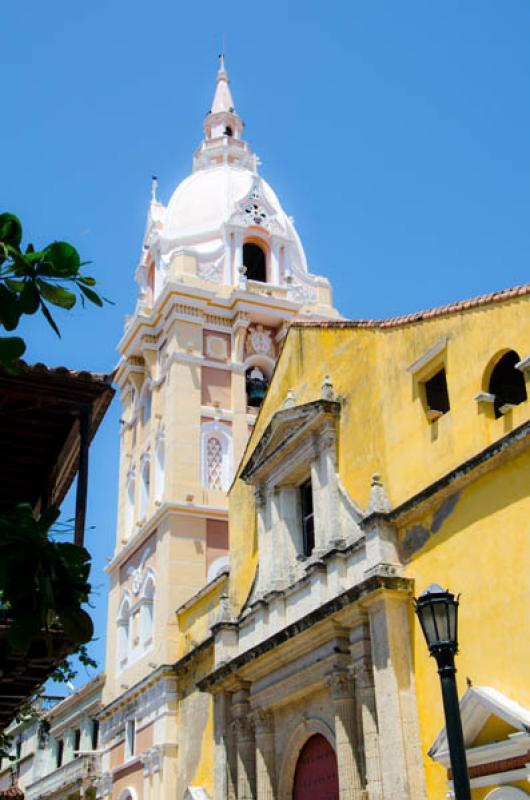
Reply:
x=42, y=582
x=32, y=280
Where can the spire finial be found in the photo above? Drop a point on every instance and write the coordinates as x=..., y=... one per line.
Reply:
x=154, y=187
x=222, y=101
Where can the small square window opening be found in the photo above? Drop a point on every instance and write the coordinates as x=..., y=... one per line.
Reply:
x=437, y=395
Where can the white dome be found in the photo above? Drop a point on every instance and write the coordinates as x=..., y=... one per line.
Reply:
x=206, y=200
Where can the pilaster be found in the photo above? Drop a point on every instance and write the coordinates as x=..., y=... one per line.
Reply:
x=325, y=488
x=341, y=688
x=224, y=767
x=399, y=741
x=245, y=744
x=265, y=761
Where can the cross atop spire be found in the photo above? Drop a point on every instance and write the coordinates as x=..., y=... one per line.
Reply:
x=222, y=101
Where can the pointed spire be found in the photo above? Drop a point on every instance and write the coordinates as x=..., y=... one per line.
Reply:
x=223, y=129
x=222, y=101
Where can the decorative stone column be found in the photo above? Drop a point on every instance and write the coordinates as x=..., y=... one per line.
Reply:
x=365, y=697
x=342, y=692
x=265, y=766
x=325, y=487
x=403, y=775
x=263, y=499
x=222, y=731
x=245, y=744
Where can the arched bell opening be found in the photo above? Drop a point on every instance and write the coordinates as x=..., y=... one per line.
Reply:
x=507, y=383
x=255, y=261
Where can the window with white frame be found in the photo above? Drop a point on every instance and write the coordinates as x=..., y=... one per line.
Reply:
x=216, y=446
x=123, y=632
x=146, y=401
x=129, y=502
x=130, y=738
x=160, y=465
x=145, y=486
x=147, y=612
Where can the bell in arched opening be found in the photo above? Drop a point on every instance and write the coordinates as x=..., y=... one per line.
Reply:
x=257, y=385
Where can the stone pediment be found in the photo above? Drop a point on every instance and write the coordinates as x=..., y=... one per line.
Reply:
x=288, y=429
x=496, y=733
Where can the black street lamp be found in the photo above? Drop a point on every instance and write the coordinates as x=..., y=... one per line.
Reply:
x=437, y=612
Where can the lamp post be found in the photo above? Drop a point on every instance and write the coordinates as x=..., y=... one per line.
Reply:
x=437, y=612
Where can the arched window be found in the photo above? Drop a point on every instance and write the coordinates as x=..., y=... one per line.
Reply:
x=229, y=131
x=123, y=632
x=129, y=503
x=254, y=259
x=214, y=455
x=507, y=383
x=147, y=611
x=146, y=403
x=145, y=486
x=160, y=458
x=216, y=446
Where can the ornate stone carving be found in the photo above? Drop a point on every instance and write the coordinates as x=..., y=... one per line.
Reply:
x=340, y=684
x=211, y=270
x=263, y=721
x=259, y=341
x=300, y=292
x=243, y=727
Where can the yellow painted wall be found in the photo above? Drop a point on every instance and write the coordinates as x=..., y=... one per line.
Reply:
x=476, y=539
x=479, y=551
x=383, y=427
x=194, y=622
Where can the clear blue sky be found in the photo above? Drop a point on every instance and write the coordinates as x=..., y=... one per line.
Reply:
x=396, y=133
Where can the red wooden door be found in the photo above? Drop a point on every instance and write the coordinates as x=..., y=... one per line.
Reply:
x=316, y=776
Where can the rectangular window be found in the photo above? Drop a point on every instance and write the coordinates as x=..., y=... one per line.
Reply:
x=308, y=520
x=436, y=394
x=77, y=742
x=59, y=754
x=95, y=734
x=130, y=737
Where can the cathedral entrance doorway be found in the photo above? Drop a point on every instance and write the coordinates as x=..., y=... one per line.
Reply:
x=316, y=775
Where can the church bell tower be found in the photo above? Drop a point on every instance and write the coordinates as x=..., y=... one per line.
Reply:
x=222, y=272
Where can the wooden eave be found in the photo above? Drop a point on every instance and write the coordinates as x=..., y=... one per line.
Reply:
x=40, y=410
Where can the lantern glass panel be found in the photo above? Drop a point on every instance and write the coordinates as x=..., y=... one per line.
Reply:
x=441, y=618
x=426, y=616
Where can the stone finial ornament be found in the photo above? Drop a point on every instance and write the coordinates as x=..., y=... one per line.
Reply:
x=242, y=282
x=289, y=399
x=378, y=502
x=225, y=614
x=327, y=391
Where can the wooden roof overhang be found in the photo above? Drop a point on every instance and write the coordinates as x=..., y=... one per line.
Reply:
x=48, y=418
